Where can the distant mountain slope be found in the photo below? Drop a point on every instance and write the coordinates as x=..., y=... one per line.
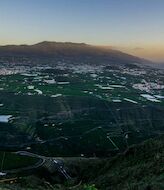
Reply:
x=70, y=51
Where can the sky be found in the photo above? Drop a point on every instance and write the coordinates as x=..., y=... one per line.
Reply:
x=134, y=26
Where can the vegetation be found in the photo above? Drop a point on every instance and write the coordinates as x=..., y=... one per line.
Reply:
x=75, y=125
x=11, y=161
x=141, y=167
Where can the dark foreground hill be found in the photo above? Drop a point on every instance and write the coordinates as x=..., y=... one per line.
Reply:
x=69, y=51
x=139, y=168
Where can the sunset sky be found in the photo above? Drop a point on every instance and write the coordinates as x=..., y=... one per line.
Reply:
x=134, y=26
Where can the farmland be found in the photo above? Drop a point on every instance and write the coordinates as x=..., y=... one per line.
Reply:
x=80, y=110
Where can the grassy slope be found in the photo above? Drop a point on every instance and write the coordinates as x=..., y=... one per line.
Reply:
x=139, y=168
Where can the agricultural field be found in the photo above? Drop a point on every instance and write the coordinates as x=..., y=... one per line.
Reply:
x=79, y=110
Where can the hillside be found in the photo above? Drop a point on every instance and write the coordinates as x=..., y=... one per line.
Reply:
x=69, y=51
x=139, y=168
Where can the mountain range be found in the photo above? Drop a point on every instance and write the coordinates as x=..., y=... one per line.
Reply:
x=69, y=51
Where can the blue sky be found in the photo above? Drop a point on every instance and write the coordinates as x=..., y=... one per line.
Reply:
x=127, y=24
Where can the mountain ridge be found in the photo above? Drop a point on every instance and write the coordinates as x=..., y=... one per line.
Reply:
x=69, y=50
